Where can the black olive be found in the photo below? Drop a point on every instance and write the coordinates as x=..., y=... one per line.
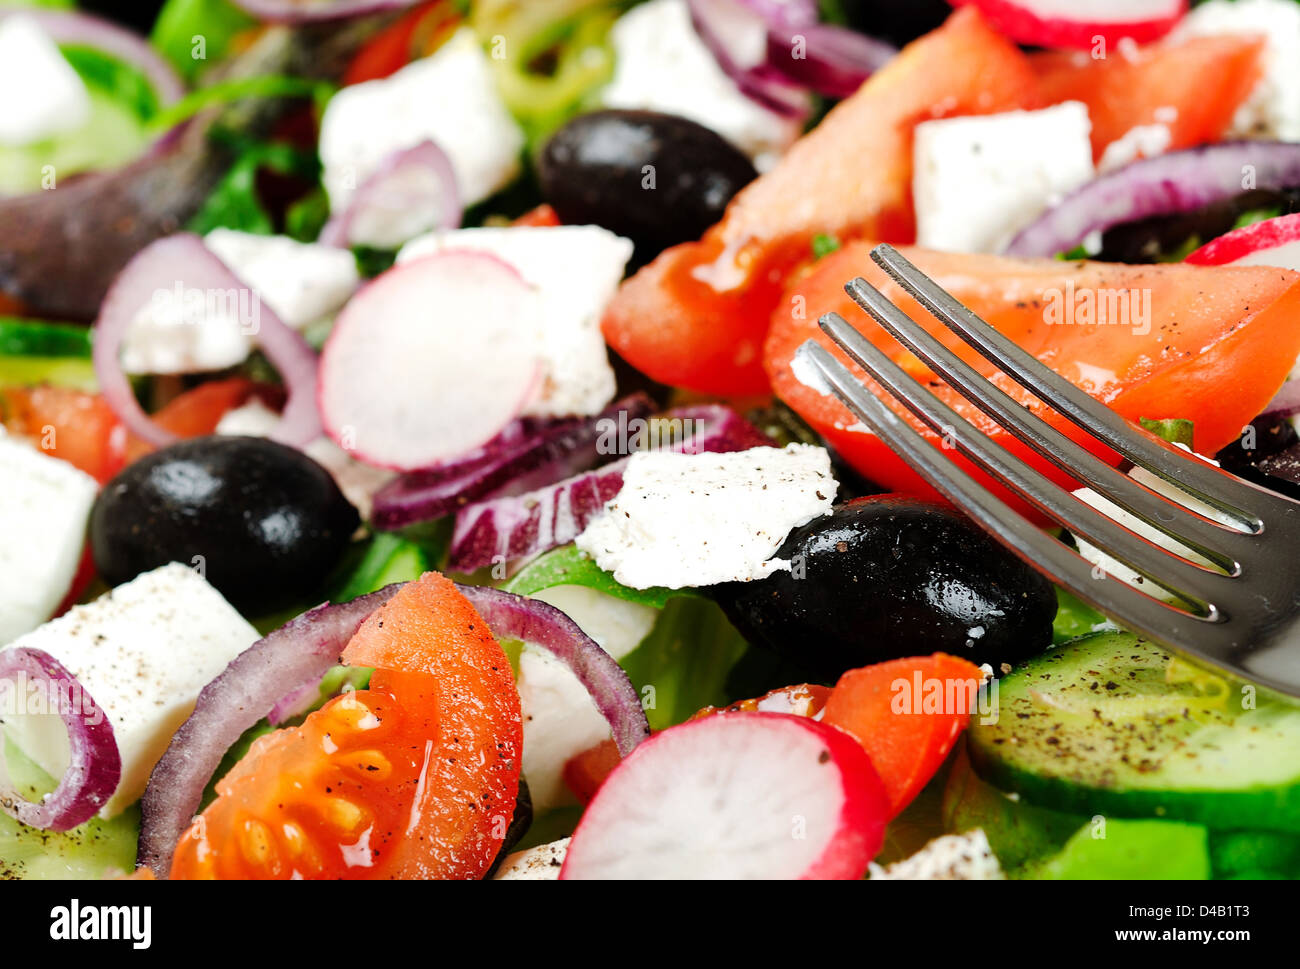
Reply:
x=888, y=576
x=657, y=179
x=264, y=522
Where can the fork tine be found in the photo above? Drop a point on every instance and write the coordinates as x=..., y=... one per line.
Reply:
x=1183, y=578
x=1200, y=534
x=1036, y=547
x=1198, y=478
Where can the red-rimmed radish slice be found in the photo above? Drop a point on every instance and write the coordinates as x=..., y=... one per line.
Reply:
x=1273, y=242
x=413, y=191
x=736, y=796
x=1079, y=23
x=430, y=360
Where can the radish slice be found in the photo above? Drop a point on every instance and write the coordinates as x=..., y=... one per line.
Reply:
x=1079, y=23
x=735, y=796
x=413, y=191
x=1273, y=242
x=429, y=361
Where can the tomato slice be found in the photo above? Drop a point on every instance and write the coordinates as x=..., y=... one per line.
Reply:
x=1218, y=344
x=585, y=772
x=543, y=217
x=73, y=425
x=907, y=714
x=1150, y=85
x=414, y=777
x=417, y=33
x=697, y=315
x=198, y=411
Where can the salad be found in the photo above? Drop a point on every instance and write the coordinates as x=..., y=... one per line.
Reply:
x=408, y=470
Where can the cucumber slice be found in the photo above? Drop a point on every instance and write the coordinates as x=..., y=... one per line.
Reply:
x=93, y=850
x=1108, y=724
x=36, y=338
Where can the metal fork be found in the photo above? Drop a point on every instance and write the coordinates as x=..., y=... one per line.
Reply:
x=1239, y=610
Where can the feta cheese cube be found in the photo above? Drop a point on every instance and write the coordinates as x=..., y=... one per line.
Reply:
x=661, y=64
x=43, y=519
x=576, y=269
x=560, y=717
x=143, y=652
x=699, y=519
x=185, y=331
x=1273, y=108
x=41, y=96
x=980, y=179
x=303, y=282
x=449, y=97
x=542, y=863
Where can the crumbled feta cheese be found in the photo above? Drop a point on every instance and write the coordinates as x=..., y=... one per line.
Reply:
x=42, y=530
x=356, y=480
x=185, y=330
x=542, y=863
x=700, y=519
x=980, y=179
x=449, y=97
x=303, y=282
x=1273, y=109
x=1140, y=141
x=576, y=270
x=560, y=717
x=143, y=652
x=662, y=65
x=41, y=96
x=953, y=857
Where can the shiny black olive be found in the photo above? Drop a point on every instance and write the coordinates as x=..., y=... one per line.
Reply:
x=264, y=522
x=657, y=179
x=887, y=576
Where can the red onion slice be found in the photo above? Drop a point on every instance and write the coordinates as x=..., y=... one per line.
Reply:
x=1285, y=402
x=829, y=59
x=83, y=30
x=552, y=450
x=737, y=37
x=95, y=763
x=393, y=203
x=539, y=623
x=516, y=526
x=294, y=657
x=1181, y=181
x=299, y=653
x=302, y=11
x=183, y=260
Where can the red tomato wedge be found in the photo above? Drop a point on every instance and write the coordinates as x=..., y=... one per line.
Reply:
x=1153, y=85
x=1218, y=343
x=73, y=425
x=198, y=411
x=907, y=714
x=542, y=217
x=417, y=33
x=414, y=777
x=697, y=315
